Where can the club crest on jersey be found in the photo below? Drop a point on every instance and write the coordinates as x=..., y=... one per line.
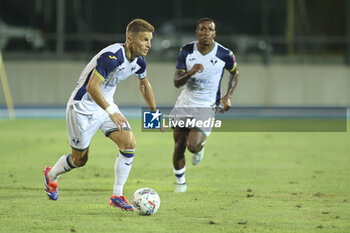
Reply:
x=76, y=141
x=152, y=119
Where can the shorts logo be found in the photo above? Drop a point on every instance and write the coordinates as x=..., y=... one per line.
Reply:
x=151, y=119
x=76, y=141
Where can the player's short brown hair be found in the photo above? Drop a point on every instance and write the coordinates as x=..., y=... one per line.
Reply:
x=139, y=25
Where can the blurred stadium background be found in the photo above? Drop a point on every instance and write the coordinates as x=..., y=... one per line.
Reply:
x=290, y=52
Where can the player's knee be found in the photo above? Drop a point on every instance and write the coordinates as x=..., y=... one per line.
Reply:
x=180, y=145
x=131, y=144
x=194, y=148
x=80, y=161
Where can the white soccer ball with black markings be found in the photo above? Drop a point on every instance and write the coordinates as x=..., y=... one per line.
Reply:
x=145, y=201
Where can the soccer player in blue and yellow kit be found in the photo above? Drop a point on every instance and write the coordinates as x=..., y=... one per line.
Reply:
x=91, y=107
x=199, y=69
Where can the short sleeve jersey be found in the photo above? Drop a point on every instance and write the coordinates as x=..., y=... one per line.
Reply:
x=204, y=89
x=112, y=66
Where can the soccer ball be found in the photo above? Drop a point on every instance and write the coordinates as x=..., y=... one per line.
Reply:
x=145, y=201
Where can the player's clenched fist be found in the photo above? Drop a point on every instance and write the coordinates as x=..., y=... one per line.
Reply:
x=196, y=68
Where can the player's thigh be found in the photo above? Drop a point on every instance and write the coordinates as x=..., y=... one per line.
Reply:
x=180, y=135
x=80, y=153
x=124, y=139
x=81, y=128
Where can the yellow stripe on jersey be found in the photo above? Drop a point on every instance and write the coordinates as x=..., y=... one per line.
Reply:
x=183, y=70
x=99, y=75
x=234, y=67
x=231, y=53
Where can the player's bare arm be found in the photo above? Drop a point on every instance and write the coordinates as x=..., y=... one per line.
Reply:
x=181, y=77
x=94, y=90
x=232, y=83
x=147, y=93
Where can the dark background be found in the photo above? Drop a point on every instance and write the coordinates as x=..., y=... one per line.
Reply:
x=247, y=26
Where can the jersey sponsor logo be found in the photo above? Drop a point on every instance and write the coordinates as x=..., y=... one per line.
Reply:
x=151, y=119
x=133, y=68
x=113, y=57
x=192, y=59
x=196, y=84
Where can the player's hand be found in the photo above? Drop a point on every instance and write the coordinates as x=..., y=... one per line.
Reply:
x=196, y=68
x=118, y=120
x=227, y=104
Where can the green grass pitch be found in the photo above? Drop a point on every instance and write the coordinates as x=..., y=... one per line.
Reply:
x=247, y=182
